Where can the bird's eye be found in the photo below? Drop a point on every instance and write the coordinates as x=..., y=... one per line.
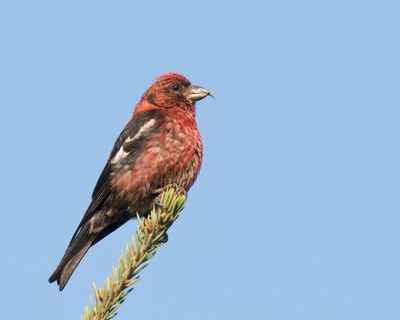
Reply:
x=175, y=87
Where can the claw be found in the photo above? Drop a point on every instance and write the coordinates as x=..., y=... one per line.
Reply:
x=164, y=239
x=178, y=189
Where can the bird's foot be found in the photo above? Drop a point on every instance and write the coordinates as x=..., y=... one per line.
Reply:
x=164, y=239
x=178, y=189
x=157, y=202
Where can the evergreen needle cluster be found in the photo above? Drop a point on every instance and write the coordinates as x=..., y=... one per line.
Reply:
x=150, y=233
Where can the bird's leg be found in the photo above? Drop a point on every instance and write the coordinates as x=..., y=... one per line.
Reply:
x=157, y=202
x=178, y=189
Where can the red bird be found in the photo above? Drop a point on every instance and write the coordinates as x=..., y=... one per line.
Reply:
x=159, y=147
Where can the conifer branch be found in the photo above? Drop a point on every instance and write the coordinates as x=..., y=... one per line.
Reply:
x=150, y=233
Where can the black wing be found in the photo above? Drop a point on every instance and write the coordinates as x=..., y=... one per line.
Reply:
x=103, y=185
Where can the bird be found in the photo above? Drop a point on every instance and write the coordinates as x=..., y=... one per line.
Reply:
x=159, y=147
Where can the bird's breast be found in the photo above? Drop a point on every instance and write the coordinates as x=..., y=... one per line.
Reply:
x=171, y=156
x=178, y=154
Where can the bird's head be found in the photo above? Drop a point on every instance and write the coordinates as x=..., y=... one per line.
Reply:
x=173, y=90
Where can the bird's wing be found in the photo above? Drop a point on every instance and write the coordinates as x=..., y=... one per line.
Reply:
x=130, y=142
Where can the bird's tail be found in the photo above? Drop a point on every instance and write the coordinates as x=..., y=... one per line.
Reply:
x=78, y=247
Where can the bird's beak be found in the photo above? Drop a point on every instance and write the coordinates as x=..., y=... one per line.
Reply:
x=195, y=93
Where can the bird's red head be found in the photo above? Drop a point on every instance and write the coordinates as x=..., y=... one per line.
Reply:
x=171, y=90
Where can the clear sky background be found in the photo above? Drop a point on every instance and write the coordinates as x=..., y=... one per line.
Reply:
x=296, y=212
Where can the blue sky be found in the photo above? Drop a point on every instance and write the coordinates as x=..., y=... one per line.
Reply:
x=295, y=214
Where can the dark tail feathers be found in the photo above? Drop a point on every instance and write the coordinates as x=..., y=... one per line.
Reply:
x=74, y=254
